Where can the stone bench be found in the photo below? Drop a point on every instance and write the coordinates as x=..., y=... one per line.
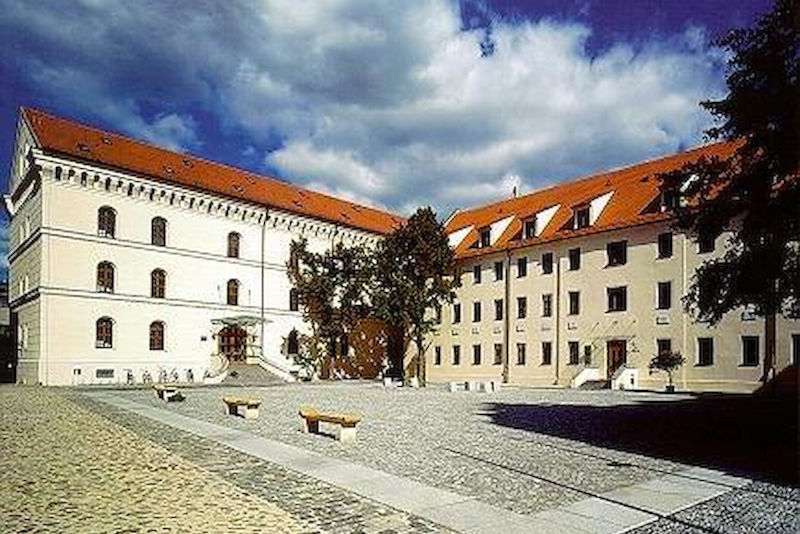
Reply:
x=167, y=393
x=311, y=417
x=242, y=406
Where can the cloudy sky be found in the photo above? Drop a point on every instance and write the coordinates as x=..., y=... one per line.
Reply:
x=393, y=103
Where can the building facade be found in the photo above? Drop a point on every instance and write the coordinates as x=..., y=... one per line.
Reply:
x=129, y=263
x=583, y=283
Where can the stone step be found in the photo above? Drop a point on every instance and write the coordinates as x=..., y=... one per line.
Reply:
x=250, y=375
x=596, y=384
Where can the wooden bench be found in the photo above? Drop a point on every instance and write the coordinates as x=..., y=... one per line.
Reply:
x=244, y=407
x=310, y=418
x=167, y=393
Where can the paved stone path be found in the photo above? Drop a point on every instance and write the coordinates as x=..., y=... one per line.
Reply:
x=66, y=469
x=71, y=464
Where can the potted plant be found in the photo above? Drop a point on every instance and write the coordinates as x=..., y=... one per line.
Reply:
x=669, y=362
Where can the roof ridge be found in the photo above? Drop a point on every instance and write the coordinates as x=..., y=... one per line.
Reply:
x=150, y=145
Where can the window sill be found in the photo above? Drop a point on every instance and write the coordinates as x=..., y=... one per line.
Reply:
x=616, y=311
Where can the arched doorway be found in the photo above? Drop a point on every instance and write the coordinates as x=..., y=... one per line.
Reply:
x=233, y=343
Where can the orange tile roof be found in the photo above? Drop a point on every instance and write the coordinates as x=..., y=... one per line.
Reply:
x=635, y=189
x=65, y=137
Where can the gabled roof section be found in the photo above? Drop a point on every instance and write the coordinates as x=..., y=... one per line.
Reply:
x=626, y=193
x=65, y=137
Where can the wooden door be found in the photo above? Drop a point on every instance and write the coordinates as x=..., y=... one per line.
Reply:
x=616, y=351
x=233, y=343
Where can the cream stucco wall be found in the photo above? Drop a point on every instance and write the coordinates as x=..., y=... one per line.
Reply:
x=640, y=325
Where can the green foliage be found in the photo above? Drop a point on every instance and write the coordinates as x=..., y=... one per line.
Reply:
x=333, y=289
x=415, y=275
x=756, y=192
x=667, y=361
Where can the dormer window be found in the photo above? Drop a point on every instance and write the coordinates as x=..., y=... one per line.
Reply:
x=530, y=228
x=581, y=217
x=486, y=235
x=669, y=200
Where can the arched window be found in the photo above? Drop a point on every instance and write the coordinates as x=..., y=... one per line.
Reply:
x=104, y=338
x=156, y=335
x=294, y=302
x=233, y=245
x=158, y=284
x=292, y=343
x=233, y=292
x=158, y=231
x=105, y=277
x=106, y=221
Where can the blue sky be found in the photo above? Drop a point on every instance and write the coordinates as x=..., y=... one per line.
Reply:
x=396, y=104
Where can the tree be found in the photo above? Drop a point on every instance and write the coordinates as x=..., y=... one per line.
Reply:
x=669, y=362
x=334, y=292
x=415, y=275
x=756, y=192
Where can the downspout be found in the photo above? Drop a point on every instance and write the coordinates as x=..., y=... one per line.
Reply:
x=506, y=319
x=684, y=316
x=557, y=318
x=263, y=280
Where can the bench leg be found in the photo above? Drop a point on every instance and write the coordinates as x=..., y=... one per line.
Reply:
x=347, y=434
x=249, y=413
x=309, y=426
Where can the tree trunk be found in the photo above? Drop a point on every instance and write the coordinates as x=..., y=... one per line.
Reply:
x=420, y=361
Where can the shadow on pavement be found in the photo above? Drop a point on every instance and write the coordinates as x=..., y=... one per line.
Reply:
x=755, y=437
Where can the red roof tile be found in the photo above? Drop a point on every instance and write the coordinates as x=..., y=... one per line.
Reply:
x=634, y=187
x=65, y=137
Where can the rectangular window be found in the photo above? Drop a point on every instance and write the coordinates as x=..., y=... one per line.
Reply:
x=574, y=259
x=617, y=298
x=670, y=199
x=476, y=354
x=705, y=242
x=617, y=253
x=437, y=355
x=795, y=349
x=498, y=271
x=587, y=354
x=522, y=307
x=104, y=373
x=498, y=354
x=437, y=308
x=456, y=355
x=547, y=352
x=705, y=351
x=547, y=263
x=522, y=267
x=456, y=313
x=530, y=228
x=486, y=237
x=663, y=345
x=476, y=312
x=664, y=295
x=750, y=352
x=476, y=274
x=498, y=309
x=574, y=302
x=547, y=305
x=581, y=217
x=665, y=245
x=574, y=353
x=520, y=353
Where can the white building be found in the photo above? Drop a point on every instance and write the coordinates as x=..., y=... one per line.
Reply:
x=129, y=262
x=583, y=282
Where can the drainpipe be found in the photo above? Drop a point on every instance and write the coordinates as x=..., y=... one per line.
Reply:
x=557, y=314
x=684, y=316
x=263, y=280
x=507, y=319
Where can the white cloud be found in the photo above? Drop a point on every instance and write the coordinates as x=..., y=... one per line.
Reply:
x=387, y=101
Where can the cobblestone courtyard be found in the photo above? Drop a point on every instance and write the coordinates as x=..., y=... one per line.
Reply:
x=74, y=464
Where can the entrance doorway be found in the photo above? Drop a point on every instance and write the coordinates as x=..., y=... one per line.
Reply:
x=233, y=343
x=617, y=355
